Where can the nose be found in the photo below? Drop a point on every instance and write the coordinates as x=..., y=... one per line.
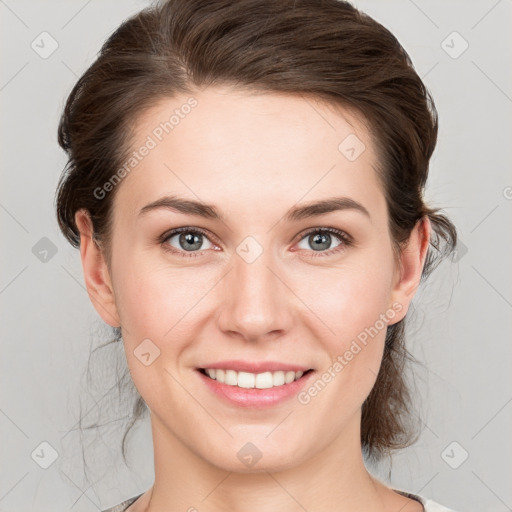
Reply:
x=256, y=301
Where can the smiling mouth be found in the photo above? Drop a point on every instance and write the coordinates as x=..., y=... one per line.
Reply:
x=249, y=380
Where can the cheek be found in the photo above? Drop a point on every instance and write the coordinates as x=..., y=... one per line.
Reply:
x=348, y=299
x=351, y=306
x=151, y=296
x=169, y=307
x=153, y=306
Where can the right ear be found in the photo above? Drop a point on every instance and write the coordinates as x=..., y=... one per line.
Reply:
x=96, y=274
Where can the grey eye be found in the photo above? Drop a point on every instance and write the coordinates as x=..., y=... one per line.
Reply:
x=320, y=240
x=189, y=241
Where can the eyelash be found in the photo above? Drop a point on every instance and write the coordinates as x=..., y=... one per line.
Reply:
x=344, y=237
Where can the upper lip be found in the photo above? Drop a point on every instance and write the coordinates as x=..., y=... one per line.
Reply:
x=256, y=366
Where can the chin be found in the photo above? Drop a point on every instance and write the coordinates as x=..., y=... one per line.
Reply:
x=255, y=457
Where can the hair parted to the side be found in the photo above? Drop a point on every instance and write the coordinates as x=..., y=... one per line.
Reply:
x=326, y=49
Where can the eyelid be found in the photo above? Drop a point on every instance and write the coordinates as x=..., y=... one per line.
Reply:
x=345, y=238
x=325, y=229
x=162, y=239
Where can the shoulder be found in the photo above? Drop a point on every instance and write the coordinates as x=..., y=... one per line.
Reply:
x=432, y=506
x=122, y=506
x=428, y=505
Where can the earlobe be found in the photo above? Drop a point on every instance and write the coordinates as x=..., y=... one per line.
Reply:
x=412, y=260
x=96, y=274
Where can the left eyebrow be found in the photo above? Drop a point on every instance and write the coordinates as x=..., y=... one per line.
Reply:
x=296, y=213
x=323, y=206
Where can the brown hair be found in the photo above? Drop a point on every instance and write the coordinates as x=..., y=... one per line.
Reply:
x=323, y=48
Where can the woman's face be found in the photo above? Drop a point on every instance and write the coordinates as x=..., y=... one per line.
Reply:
x=259, y=282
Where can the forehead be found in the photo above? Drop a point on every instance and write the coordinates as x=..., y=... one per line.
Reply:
x=250, y=149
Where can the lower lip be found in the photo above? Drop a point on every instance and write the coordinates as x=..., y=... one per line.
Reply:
x=253, y=397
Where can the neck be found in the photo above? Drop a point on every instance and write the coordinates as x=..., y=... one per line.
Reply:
x=333, y=479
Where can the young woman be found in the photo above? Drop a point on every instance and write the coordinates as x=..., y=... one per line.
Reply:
x=245, y=186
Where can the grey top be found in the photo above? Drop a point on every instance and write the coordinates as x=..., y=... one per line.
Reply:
x=428, y=505
x=124, y=505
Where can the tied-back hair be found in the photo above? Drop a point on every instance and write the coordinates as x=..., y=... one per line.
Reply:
x=324, y=49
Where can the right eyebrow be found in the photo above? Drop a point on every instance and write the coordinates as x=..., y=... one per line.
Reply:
x=182, y=205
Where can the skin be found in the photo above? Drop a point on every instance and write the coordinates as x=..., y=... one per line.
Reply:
x=266, y=153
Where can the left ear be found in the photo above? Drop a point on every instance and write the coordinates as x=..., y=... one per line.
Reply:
x=412, y=260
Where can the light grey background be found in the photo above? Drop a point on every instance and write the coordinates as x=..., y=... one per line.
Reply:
x=463, y=328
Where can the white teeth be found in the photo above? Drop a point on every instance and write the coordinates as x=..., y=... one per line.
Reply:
x=242, y=380
x=252, y=380
x=230, y=378
x=278, y=378
x=289, y=377
x=264, y=380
